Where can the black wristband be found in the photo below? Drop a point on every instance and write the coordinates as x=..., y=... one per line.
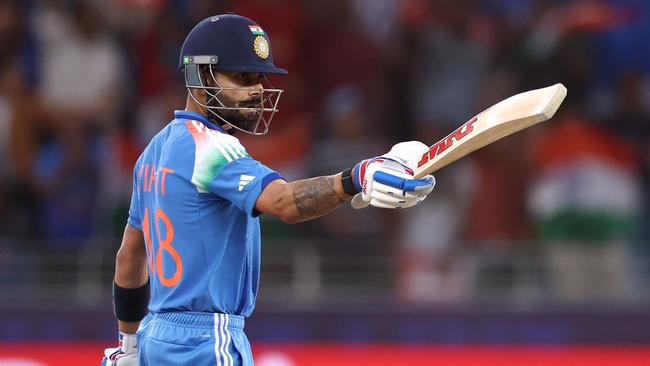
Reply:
x=130, y=304
x=348, y=184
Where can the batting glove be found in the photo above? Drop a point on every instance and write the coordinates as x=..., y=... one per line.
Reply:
x=126, y=354
x=387, y=181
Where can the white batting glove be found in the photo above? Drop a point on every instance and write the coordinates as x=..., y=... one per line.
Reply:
x=387, y=181
x=126, y=354
x=408, y=153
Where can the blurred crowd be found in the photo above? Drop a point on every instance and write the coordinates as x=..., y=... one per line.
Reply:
x=85, y=84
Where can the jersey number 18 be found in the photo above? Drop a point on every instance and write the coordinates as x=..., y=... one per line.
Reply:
x=164, y=244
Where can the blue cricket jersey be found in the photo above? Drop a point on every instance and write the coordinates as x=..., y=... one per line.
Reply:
x=194, y=194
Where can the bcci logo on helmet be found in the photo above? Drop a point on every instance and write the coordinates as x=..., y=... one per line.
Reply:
x=261, y=47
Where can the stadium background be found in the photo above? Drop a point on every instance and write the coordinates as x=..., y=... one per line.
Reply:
x=532, y=251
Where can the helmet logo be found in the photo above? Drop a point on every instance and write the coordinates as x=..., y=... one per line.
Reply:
x=261, y=47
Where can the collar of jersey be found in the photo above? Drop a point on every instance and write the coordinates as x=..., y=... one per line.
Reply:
x=197, y=117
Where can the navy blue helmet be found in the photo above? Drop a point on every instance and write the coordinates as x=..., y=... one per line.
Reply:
x=231, y=43
x=237, y=43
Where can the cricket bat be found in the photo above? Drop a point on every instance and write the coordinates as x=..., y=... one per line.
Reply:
x=502, y=119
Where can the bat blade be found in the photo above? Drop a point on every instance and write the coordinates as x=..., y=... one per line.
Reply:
x=502, y=119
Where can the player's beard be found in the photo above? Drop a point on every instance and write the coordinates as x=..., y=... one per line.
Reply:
x=244, y=119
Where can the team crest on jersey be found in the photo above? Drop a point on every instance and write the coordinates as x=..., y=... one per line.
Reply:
x=261, y=47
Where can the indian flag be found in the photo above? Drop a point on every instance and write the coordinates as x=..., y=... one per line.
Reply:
x=256, y=30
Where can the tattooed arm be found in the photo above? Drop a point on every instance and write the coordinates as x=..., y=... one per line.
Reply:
x=302, y=200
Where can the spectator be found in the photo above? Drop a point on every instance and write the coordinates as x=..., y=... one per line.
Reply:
x=585, y=200
x=449, y=64
x=631, y=122
x=18, y=142
x=78, y=99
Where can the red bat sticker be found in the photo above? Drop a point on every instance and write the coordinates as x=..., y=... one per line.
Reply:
x=445, y=143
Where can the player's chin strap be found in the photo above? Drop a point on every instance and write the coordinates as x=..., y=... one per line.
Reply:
x=268, y=100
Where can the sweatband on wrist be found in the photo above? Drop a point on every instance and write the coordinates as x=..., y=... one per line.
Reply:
x=130, y=304
x=357, y=172
x=348, y=183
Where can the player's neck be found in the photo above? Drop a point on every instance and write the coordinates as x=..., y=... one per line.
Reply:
x=192, y=106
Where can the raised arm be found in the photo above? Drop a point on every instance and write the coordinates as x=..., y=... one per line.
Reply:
x=387, y=182
x=302, y=200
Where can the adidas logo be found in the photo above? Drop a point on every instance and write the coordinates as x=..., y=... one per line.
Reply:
x=244, y=180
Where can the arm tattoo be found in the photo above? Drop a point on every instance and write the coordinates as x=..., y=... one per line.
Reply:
x=315, y=197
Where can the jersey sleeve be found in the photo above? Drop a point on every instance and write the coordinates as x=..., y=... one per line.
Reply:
x=223, y=167
x=241, y=182
x=134, y=210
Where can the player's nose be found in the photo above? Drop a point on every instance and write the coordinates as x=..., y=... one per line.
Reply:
x=256, y=88
x=256, y=91
x=256, y=81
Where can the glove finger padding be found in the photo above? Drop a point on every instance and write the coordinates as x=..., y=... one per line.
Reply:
x=387, y=181
x=385, y=201
x=395, y=200
x=419, y=185
x=412, y=196
x=386, y=189
x=381, y=204
x=378, y=192
x=385, y=196
x=393, y=172
x=388, y=196
x=421, y=191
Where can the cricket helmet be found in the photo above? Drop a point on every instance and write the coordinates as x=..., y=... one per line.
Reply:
x=232, y=43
